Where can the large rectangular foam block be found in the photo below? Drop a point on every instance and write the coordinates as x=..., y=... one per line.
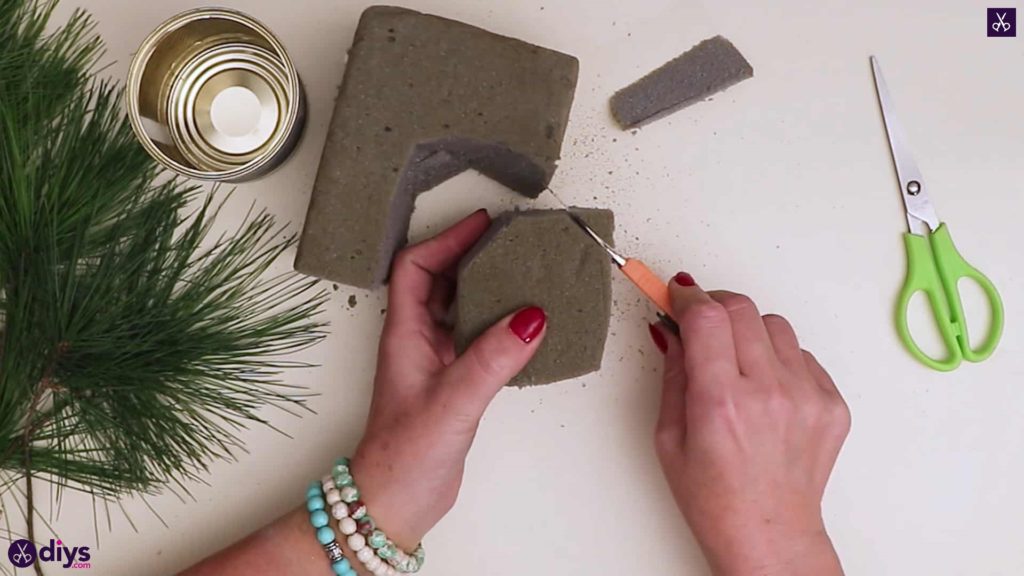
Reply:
x=423, y=99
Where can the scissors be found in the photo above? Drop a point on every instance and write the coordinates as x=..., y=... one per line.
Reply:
x=655, y=289
x=638, y=273
x=23, y=556
x=1001, y=25
x=934, y=266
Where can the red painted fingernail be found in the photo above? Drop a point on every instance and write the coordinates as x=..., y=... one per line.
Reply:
x=528, y=323
x=659, y=338
x=684, y=279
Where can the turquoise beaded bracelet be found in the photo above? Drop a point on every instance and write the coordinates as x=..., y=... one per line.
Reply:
x=315, y=503
x=370, y=544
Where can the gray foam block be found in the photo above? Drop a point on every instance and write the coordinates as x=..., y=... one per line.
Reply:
x=423, y=99
x=709, y=67
x=542, y=258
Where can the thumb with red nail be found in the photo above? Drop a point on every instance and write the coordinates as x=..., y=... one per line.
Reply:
x=427, y=402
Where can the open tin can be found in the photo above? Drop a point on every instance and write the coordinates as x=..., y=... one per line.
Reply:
x=213, y=95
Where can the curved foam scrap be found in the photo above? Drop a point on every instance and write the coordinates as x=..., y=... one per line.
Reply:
x=541, y=257
x=707, y=68
x=423, y=99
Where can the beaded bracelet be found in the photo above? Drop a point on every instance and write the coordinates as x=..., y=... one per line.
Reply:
x=372, y=547
x=315, y=503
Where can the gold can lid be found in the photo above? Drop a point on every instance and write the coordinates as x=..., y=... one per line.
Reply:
x=213, y=95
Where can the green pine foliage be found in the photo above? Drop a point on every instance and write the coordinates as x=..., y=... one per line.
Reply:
x=133, y=344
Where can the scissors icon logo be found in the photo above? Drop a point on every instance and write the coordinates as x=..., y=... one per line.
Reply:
x=1002, y=22
x=22, y=553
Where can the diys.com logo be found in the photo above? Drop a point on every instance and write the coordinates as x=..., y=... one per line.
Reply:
x=23, y=553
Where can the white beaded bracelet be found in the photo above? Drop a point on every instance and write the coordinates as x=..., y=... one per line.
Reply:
x=357, y=544
x=370, y=546
x=356, y=541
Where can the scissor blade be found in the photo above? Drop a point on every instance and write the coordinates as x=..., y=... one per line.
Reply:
x=915, y=197
x=619, y=260
x=558, y=198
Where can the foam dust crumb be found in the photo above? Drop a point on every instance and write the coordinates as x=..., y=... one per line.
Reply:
x=352, y=301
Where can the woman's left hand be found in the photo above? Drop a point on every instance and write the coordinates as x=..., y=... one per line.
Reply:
x=427, y=403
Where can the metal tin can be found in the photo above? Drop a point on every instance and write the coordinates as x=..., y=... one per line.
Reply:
x=213, y=95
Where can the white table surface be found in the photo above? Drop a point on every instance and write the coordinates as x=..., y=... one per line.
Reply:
x=782, y=187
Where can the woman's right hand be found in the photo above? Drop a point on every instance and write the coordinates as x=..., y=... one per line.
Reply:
x=749, y=431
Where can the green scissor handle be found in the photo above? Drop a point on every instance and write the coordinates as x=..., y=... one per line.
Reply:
x=934, y=266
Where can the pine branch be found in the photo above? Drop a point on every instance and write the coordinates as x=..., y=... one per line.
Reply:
x=133, y=345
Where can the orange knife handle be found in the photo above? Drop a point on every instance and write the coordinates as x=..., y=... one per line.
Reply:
x=648, y=282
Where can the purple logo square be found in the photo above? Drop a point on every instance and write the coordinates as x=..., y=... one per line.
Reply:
x=1002, y=22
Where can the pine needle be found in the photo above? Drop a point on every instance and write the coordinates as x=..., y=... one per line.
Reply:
x=133, y=345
